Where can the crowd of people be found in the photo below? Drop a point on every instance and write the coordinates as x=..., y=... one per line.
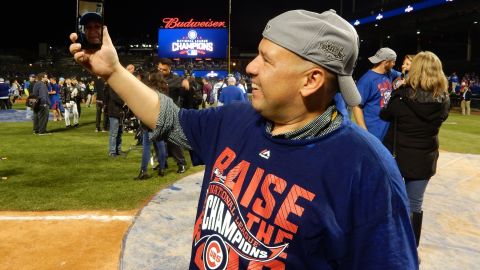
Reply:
x=63, y=98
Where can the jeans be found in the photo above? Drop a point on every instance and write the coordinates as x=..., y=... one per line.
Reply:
x=115, y=142
x=161, y=152
x=415, y=191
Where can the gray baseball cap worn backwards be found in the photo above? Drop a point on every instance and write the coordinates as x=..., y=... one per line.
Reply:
x=383, y=54
x=325, y=39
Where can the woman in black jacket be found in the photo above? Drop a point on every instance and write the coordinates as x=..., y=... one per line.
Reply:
x=416, y=112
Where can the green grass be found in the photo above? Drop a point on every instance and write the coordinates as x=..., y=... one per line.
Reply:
x=460, y=133
x=70, y=169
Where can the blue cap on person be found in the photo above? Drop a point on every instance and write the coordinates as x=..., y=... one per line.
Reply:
x=325, y=39
x=32, y=75
x=90, y=17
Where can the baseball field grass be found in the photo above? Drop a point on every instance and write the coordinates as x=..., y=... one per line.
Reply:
x=70, y=169
x=461, y=133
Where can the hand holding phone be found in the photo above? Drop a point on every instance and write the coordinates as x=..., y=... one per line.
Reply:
x=90, y=23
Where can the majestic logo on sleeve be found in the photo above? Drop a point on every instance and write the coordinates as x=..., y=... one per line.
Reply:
x=222, y=217
x=265, y=154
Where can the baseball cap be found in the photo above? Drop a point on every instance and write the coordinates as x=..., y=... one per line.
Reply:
x=32, y=75
x=325, y=39
x=383, y=54
x=90, y=16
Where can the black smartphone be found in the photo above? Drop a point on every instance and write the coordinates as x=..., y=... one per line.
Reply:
x=89, y=22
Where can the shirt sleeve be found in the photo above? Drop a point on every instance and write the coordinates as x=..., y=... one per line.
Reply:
x=381, y=236
x=168, y=124
x=363, y=86
x=395, y=74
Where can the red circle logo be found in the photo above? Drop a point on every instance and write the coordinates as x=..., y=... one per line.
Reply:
x=214, y=255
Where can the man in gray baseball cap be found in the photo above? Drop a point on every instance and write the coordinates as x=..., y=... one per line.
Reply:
x=383, y=54
x=289, y=182
x=375, y=87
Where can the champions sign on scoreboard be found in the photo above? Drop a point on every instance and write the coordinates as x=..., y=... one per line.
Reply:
x=193, y=42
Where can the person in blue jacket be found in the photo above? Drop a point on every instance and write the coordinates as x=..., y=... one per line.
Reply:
x=289, y=182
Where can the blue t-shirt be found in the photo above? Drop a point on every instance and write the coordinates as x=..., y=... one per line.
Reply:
x=335, y=202
x=376, y=90
x=231, y=94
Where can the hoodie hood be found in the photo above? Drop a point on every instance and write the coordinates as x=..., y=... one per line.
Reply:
x=427, y=107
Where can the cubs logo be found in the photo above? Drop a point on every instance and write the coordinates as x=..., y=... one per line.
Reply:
x=215, y=254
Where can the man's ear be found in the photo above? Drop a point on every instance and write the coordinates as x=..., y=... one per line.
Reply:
x=314, y=80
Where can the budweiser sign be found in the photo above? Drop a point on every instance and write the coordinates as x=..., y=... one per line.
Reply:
x=176, y=23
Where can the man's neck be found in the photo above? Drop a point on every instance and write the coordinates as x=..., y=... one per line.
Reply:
x=294, y=124
x=380, y=69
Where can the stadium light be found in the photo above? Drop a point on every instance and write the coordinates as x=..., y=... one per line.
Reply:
x=400, y=11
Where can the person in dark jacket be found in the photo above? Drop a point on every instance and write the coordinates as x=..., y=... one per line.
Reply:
x=177, y=86
x=417, y=110
x=115, y=116
x=100, y=105
x=40, y=115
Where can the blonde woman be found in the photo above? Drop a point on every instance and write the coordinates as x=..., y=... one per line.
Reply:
x=407, y=62
x=417, y=110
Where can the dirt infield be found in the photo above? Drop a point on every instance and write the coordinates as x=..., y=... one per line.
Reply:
x=62, y=240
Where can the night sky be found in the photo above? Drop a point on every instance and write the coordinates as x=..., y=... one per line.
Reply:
x=24, y=24
x=52, y=21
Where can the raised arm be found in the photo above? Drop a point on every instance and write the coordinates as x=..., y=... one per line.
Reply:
x=142, y=100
